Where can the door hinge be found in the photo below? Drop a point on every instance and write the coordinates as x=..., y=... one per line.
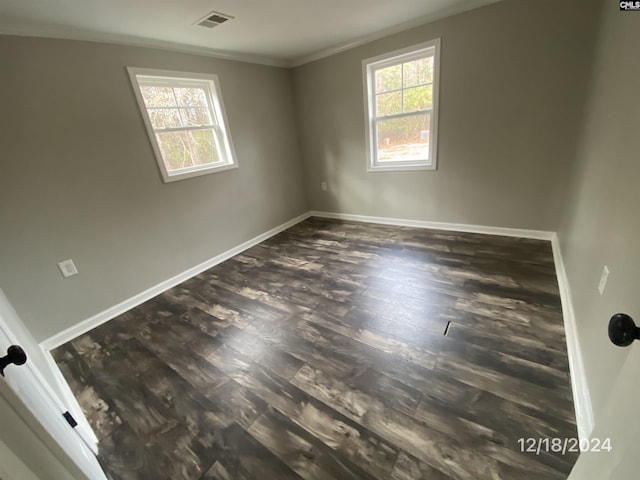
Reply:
x=70, y=420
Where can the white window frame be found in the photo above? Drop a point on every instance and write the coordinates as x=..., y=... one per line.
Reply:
x=220, y=125
x=369, y=67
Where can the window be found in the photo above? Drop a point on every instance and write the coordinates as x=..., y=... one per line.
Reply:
x=186, y=122
x=401, y=108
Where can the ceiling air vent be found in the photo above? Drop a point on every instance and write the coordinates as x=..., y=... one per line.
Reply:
x=213, y=19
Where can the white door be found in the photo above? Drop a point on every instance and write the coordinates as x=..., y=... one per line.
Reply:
x=619, y=422
x=28, y=384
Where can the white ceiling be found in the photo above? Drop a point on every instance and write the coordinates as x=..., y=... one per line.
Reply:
x=283, y=32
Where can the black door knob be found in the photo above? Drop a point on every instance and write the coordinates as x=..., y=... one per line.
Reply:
x=15, y=355
x=623, y=330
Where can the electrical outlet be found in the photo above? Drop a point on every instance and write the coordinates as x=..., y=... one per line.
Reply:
x=67, y=268
x=323, y=185
x=603, y=279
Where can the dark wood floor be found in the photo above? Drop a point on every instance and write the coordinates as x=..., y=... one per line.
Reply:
x=321, y=354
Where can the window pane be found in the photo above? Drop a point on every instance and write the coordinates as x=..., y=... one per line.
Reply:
x=164, y=117
x=410, y=74
x=404, y=139
x=389, y=78
x=425, y=70
x=191, y=97
x=158, y=96
x=206, y=145
x=195, y=116
x=418, y=72
x=187, y=148
x=418, y=98
x=388, y=104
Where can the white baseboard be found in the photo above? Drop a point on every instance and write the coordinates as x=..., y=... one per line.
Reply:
x=581, y=396
x=580, y=388
x=122, y=307
x=454, y=227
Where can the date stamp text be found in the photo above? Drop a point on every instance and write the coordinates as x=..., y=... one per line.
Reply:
x=563, y=446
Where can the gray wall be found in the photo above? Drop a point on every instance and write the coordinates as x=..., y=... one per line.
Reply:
x=602, y=225
x=513, y=78
x=79, y=179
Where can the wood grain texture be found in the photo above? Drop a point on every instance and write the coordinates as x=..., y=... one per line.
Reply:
x=321, y=354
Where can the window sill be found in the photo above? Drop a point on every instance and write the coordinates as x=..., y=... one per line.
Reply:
x=174, y=177
x=399, y=168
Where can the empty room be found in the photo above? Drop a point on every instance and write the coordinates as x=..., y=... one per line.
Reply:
x=319, y=240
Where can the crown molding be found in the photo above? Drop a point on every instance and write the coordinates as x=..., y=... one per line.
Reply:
x=129, y=41
x=416, y=22
x=132, y=41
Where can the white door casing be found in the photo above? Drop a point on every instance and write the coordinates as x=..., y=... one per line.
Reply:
x=50, y=375
x=620, y=422
x=28, y=384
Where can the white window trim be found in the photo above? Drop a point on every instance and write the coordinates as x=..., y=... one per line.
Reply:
x=216, y=104
x=392, y=58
